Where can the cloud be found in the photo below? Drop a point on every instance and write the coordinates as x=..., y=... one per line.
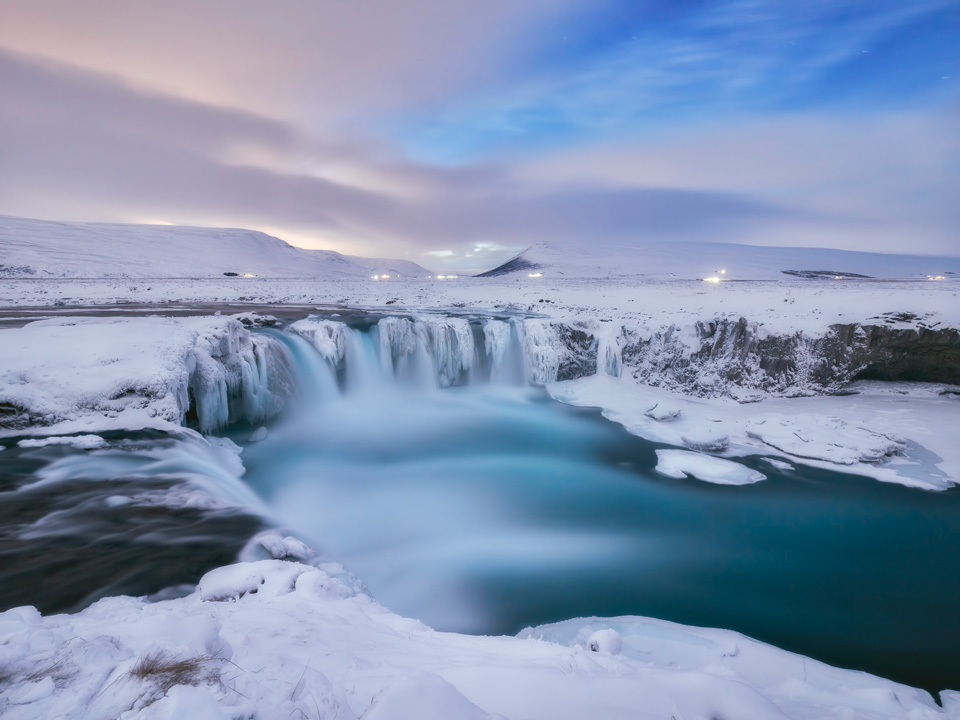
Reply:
x=313, y=61
x=884, y=182
x=76, y=145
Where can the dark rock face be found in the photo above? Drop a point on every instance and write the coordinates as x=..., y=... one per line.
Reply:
x=735, y=358
x=580, y=358
x=518, y=264
x=924, y=354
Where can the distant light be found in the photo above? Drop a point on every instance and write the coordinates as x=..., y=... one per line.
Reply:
x=248, y=275
x=376, y=277
x=713, y=279
x=838, y=277
x=723, y=272
x=384, y=277
x=535, y=275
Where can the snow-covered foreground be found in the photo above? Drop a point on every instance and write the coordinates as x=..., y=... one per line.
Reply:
x=275, y=639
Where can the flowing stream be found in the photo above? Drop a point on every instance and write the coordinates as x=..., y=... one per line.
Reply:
x=485, y=507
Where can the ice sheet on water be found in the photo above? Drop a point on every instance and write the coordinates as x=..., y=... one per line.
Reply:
x=681, y=463
x=83, y=442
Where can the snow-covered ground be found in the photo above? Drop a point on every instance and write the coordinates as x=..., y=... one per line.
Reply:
x=278, y=639
x=274, y=639
x=43, y=249
x=720, y=261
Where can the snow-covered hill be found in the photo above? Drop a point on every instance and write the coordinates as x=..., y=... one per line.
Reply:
x=688, y=260
x=44, y=249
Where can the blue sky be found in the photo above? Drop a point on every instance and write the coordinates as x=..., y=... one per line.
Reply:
x=624, y=68
x=458, y=132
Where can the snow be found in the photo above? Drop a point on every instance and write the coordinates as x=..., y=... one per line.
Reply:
x=893, y=432
x=308, y=643
x=94, y=374
x=40, y=248
x=84, y=442
x=681, y=463
x=719, y=261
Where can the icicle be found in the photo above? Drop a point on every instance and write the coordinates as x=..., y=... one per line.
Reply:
x=496, y=339
x=327, y=336
x=541, y=351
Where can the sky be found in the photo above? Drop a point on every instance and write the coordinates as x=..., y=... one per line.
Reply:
x=457, y=133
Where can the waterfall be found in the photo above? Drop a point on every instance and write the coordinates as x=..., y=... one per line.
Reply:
x=424, y=353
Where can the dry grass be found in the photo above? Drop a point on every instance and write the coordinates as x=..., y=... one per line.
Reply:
x=165, y=671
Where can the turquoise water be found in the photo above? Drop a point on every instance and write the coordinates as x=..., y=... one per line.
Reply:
x=486, y=509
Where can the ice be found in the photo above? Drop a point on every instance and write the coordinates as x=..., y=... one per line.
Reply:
x=452, y=347
x=82, y=442
x=259, y=435
x=139, y=372
x=706, y=438
x=234, y=581
x=497, y=336
x=894, y=432
x=681, y=463
x=834, y=439
x=541, y=351
x=327, y=336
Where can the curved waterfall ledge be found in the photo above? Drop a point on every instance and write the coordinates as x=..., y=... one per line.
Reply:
x=93, y=374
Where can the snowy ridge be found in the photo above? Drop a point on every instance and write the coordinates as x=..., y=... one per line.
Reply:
x=726, y=261
x=237, y=647
x=44, y=249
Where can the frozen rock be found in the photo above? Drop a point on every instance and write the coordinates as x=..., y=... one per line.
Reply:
x=605, y=641
x=706, y=438
x=259, y=435
x=232, y=582
x=664, y=412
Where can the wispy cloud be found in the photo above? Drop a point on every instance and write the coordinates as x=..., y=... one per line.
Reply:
x=714, y=60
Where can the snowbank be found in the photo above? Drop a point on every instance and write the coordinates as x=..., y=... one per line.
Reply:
x=275, y=639
x=94, y=374
x=894, y=432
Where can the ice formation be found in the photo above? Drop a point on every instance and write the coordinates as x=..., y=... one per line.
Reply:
x=138, y=372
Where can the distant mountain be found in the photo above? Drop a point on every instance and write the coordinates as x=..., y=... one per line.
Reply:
x=691, y=260
x=44, y=249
